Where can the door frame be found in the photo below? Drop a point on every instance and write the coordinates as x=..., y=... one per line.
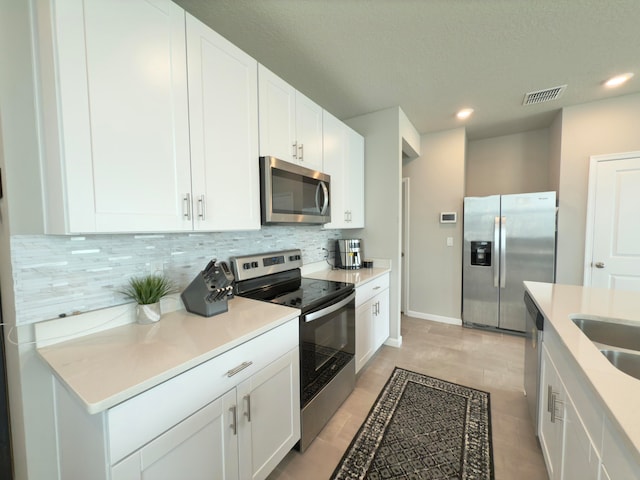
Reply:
x=404, y=288
x=591, y=207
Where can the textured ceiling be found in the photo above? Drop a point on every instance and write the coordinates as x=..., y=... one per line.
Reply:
x=433, y=57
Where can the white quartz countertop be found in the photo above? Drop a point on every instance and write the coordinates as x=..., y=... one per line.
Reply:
x=106, y=368
x=619, y=392
x=358, y=276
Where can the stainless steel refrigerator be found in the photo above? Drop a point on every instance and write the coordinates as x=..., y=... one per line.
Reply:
x=508, y=239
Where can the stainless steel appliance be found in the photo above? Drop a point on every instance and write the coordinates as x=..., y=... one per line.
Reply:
x=327, y=330
x=293, y=194
x=507, y=239
x=532, y=353
x=348, y=254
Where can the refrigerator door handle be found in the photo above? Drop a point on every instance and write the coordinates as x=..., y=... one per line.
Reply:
x=494, y=253
x=503, y=252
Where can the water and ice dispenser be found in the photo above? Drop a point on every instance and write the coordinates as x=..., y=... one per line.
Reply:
x=481, y=253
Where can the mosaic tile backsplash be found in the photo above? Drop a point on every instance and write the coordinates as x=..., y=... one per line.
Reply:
x=55, y=275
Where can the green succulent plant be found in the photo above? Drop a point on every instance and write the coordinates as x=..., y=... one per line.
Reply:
x=148, y=289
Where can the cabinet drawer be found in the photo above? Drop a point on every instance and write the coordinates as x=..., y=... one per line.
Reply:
x=140, y=419
x=372, y=288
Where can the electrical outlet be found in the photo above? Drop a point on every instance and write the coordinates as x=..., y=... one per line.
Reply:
x=449, y=241
x=156, y=267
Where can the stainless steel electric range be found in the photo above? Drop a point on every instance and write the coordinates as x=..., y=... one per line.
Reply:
x=327, y=330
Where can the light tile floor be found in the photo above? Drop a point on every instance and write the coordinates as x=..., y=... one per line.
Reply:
x=488, y=361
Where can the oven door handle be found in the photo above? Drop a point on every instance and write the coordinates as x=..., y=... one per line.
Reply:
x=310, y=317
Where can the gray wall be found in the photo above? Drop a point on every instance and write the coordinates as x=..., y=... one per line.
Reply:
x=381, y=238
x=606, y=126
x=517, y=163
x=436, y=180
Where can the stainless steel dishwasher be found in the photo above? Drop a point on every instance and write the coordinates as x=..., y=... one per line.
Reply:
x=534, y=325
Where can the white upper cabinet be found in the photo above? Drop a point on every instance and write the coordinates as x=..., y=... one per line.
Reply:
x=344, y=160
x=130, y=146
x=223, y=113
x=290, y=123
x=115, y=115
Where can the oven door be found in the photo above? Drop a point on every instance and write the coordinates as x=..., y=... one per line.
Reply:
x=293, y=194
x=327, y=344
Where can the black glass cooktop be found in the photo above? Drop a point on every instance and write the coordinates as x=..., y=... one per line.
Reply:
x=312, y=293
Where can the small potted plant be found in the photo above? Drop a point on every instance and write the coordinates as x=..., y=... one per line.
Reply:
x=147, y=291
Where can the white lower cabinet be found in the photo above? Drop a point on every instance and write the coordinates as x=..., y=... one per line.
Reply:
x=580, y=459
x=617, y=460
x=201, y=447
x=372, y=318
x=551, y=416
x=241, y=435
x=232, y=417
x=576, y=435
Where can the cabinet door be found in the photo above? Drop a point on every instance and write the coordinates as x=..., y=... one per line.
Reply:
x=309, y=132
x=354, y=178
x=277, y=116
x=364, y=333
x=380, y=319
x=204, y=446
x=123, y=113
x=343, y=159
x=551, y=416
x=618, y=460
x=269, y=415
x=223, y=113
x=580, y=459
x=334, y=164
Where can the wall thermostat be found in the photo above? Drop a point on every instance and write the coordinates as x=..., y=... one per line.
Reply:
x=448, y=217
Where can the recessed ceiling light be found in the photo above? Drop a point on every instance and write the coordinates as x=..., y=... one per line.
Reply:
x=464, y=113
x=618, y=80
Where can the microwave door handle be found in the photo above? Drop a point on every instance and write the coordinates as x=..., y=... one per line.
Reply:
x=325, y=196
x=310, y=317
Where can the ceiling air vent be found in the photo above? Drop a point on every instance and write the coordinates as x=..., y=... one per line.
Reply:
x=545, y=95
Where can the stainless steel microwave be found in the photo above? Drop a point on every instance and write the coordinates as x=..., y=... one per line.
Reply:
x=290, y=193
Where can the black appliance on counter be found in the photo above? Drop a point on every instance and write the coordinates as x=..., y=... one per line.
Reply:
x=327, y=330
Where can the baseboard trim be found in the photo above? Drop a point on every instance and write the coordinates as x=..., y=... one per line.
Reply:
x=435, y=318
x=394, y=342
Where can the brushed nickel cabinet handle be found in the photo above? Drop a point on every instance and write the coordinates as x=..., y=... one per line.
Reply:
x=238, y=369
x=201, y=207
x=234, y=419
x=248, y=411
x=187, y=206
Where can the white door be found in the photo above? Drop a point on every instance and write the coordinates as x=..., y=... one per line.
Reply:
x=223, y=112
x=613, y=233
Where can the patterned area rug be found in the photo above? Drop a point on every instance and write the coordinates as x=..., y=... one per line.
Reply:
x=422, y=428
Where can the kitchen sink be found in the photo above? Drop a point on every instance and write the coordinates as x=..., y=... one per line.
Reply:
x=626, y=362
x=611, y=334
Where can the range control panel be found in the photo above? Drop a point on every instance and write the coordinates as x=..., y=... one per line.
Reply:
x=251, y=266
